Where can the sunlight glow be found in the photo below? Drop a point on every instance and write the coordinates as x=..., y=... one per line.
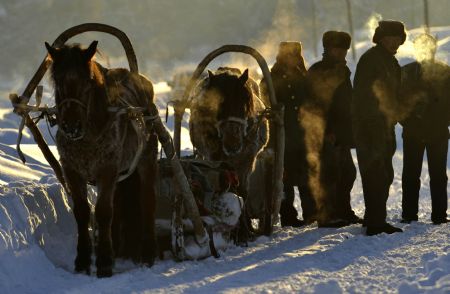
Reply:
x=161, y=87
x=4, y=111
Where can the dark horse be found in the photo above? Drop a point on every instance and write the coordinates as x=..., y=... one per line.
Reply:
x=225, y=125
x=103, y=135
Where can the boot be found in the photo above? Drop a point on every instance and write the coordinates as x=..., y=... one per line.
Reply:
x=332, y=223
x=291, y=222
x=353, y=219
x=441, y=221
x=409, y=219
x=386, y=228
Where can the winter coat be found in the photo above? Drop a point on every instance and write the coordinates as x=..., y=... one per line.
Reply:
x=331, y=90
x=425, y=95
x=376, y=89
x=291, y=91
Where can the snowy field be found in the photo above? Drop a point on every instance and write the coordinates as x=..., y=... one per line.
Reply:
x=38, y=240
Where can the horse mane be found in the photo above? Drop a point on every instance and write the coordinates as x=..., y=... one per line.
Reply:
x=233, y=93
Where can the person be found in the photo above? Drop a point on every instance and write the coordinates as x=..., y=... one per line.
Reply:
x=374, y=115
x=426, y=92
x=289, y=80
x=331, y=94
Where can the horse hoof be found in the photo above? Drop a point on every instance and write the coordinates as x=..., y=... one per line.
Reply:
x=104, y=266
x=83, y=265
x=148, y=260
x=104, y=272
x=86, y=270
x=148, y=254
x=149, y=264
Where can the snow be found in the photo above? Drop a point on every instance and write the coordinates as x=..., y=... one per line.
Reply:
x=38, y=241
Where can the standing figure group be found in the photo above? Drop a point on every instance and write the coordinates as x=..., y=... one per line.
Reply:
x=325, y=117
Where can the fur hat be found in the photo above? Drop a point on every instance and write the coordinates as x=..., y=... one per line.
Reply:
x=335, y=39
x=389, y=28
x=290, y=47
x=290, y=52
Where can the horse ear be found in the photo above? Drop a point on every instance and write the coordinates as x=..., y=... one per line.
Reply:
x=210, y=74
x=53, y=52
x=244, y=77
x=90, y=51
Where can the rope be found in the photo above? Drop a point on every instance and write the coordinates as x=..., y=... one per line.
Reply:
x=24, y=109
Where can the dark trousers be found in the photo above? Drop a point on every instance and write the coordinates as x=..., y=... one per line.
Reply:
x=413, y=151
x=346, y=176
x=338, y=173
x=375, y=147
x=296, y=175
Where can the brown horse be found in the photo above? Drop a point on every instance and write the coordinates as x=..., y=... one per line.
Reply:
x=103, y=136
x=225, y=125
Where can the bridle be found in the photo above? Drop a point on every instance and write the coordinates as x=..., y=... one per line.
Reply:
x=85, y=106
x=60, y=107
x=231, y=119
x=241, y=121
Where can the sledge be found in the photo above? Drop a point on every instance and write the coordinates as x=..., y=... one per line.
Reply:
x=196, y=214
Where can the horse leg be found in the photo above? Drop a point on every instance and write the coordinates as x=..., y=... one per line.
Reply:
x=117, y=222
x=128, y=237
x=82, y=212
x=246, y=230
x=106, y=183
x=148, y=170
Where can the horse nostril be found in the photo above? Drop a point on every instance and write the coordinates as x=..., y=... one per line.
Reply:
x=65, y=126
x=72, y=130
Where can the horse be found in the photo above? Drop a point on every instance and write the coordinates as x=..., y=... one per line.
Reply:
x=225, y=124
x=105, y=135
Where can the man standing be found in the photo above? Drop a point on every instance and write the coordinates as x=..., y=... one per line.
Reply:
x=426, y=95
x=374, y=106
x=289, y=80
x=331, y=95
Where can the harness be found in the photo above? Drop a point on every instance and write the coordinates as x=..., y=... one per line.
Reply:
x=22, y=108
x=136, y=115
x=139, y=122
x=238, y=120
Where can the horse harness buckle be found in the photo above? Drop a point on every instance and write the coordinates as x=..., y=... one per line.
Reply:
x=134, y=113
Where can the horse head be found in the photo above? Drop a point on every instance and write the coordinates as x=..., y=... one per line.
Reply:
x=76, y=79
x=235, y=107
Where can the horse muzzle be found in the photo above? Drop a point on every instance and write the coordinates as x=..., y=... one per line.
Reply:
x=232, y=132
x=231, y=150
x=73, y=132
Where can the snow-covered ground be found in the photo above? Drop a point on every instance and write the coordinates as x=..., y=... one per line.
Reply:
x=38, y=242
